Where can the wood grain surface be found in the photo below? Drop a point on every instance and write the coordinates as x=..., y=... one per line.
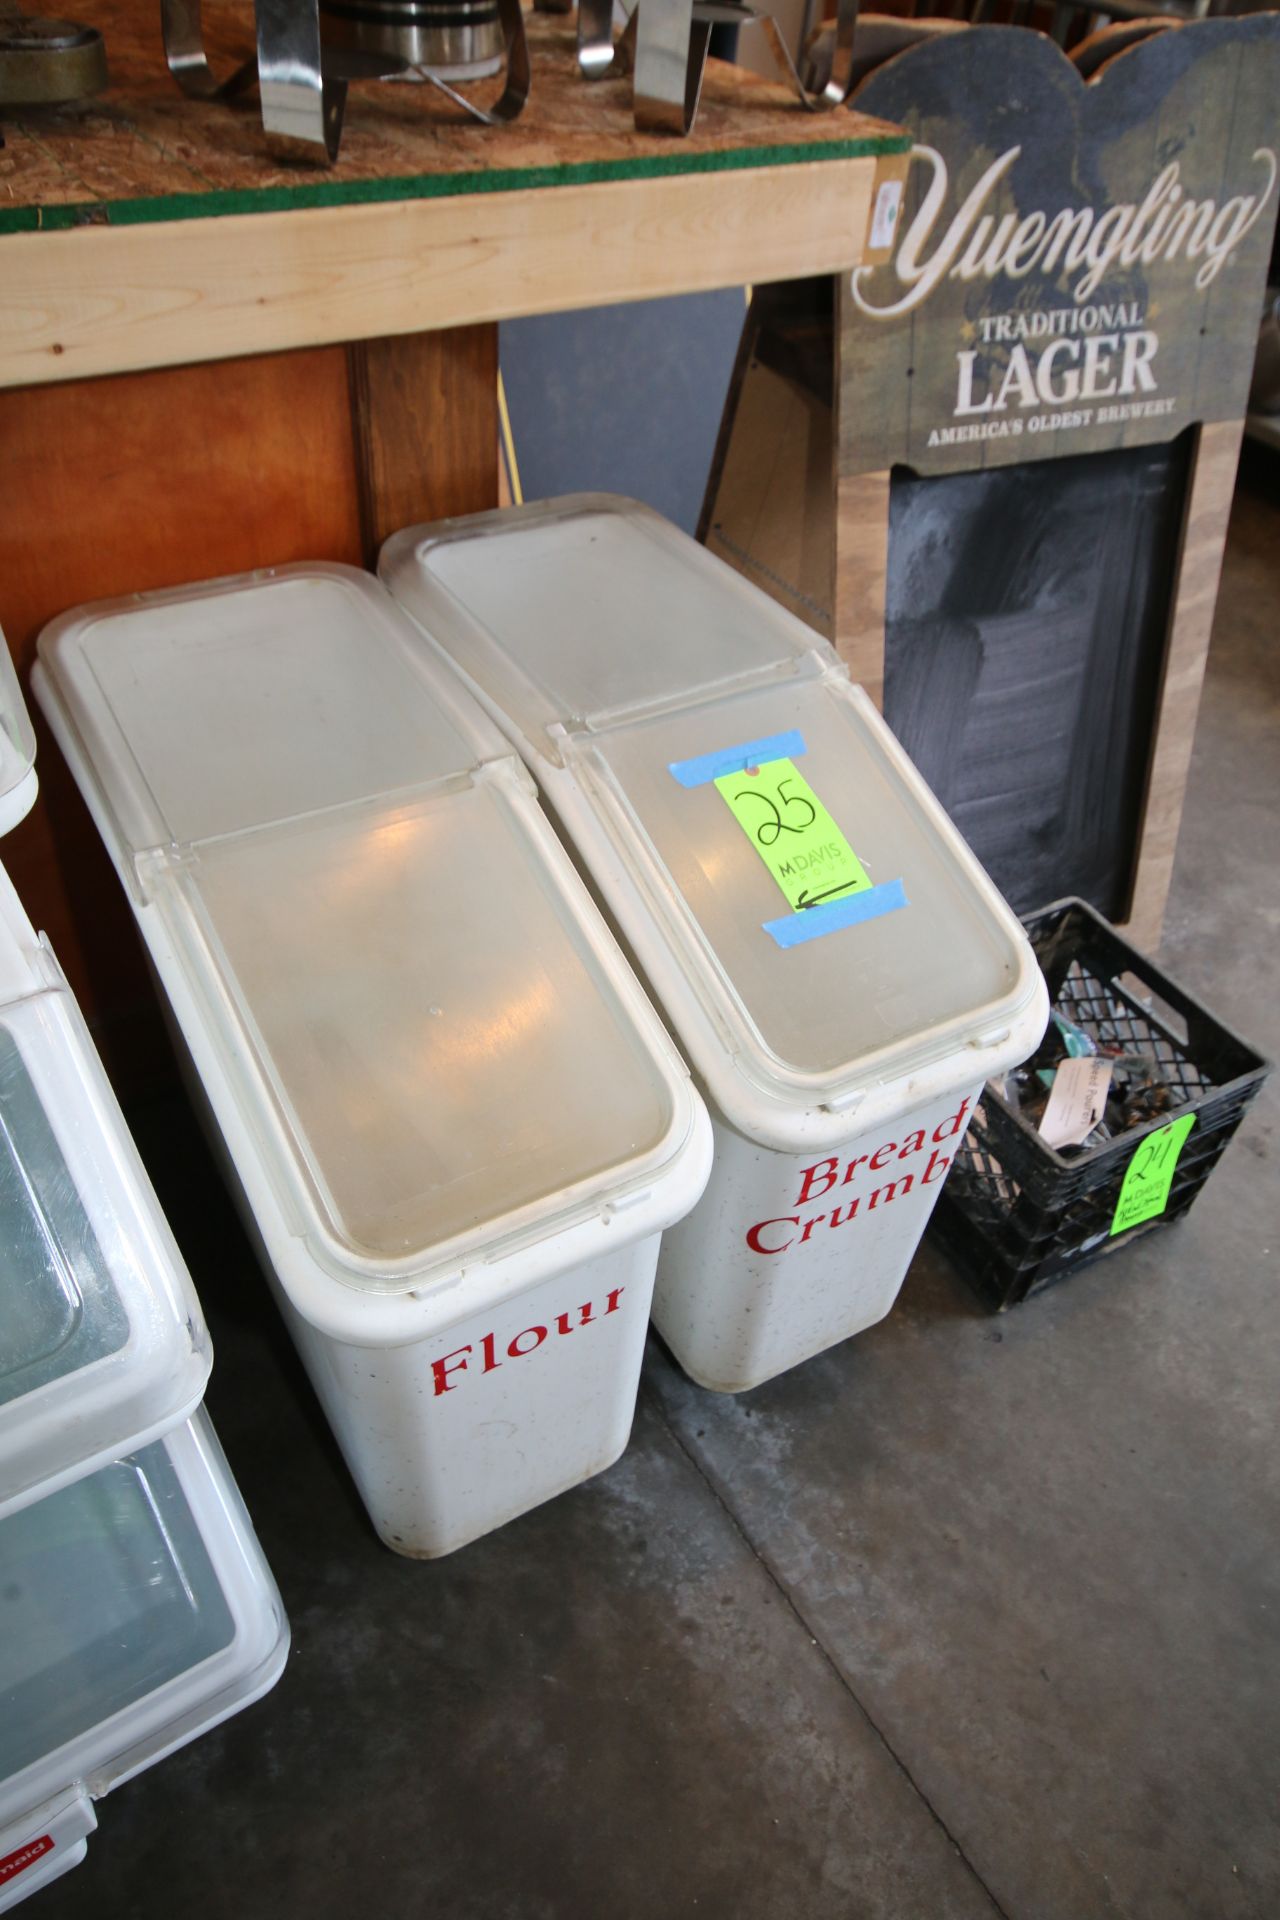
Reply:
x=1178, y=702
x=425, y=415
x=105, y=300
x=143, y=143
x=861, y=576
x=144, y=229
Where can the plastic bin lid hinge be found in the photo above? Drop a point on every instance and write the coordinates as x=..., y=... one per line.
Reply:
x=623, y=1202
x=560, y=733
x=990, y=1037
x=845, y=1102
x=145, y=866
x=507, y=766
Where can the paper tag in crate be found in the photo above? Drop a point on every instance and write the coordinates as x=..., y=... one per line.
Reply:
x=1077, y=1101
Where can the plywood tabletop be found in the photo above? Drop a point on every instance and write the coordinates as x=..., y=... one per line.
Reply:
x=143, y=229
x=143, y=152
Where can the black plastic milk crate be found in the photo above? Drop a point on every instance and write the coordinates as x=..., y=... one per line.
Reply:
x=1015, y=1215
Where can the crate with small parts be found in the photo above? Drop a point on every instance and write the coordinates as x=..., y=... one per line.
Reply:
x=1112, y=1126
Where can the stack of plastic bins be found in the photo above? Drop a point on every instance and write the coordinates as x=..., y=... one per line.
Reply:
x=456, y=1126
x=840, y=1046
x=135, y=1607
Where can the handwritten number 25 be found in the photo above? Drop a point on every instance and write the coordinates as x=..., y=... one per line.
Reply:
x=769, y=829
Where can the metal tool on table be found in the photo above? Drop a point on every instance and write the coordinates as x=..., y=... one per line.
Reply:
x=309, y=51
x=48, y=63
x=665, y=44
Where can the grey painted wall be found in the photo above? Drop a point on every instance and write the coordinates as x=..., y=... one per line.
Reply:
x=622, y=399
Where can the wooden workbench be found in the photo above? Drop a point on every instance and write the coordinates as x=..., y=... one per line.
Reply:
x=210, y=362
x=145, y=229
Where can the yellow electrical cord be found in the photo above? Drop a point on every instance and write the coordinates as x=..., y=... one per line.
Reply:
x=508, y=444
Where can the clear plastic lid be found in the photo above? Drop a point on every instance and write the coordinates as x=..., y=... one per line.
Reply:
x=432, y=1034
x=17, y=747
x=135, y=1610
x=615, y=647
x=212, y=711
x=925, y=968
x=101, y=1340
x=586, y=611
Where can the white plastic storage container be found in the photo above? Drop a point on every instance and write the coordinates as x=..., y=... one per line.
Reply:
x=840, y=1044
x=456, y=1125
x=17, y=747
x=135, y=1607
x=136, y=1612
x=102, y=1344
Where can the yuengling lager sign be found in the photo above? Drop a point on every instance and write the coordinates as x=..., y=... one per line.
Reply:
x=1075, y=266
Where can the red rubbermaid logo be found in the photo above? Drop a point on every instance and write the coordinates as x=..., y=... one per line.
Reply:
x=14, y=1863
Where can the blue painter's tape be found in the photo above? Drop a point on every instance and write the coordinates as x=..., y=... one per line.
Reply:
x=812, y=922
x=752, y=753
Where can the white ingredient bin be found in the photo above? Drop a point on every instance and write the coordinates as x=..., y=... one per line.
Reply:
x=840, y=1046
x=136, y=1612
x=17, y=747
x=455, y=1124
x=102, y=1343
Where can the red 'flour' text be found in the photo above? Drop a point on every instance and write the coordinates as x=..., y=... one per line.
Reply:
x=833, y=1175
x=490, y=1355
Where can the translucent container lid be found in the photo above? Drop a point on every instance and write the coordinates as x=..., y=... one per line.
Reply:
x=619, y=651
x=17, y=747
x=585, y=611
x=101, y=1340
x=432, y=1036
x=136, y=1610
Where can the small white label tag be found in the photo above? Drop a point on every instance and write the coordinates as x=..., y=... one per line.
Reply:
x=1077, y=1101
x=884, y=220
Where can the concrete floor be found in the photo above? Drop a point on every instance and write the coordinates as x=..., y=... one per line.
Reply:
x=969, y=1617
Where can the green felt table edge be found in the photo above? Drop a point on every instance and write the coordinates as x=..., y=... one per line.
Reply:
x=431, y=186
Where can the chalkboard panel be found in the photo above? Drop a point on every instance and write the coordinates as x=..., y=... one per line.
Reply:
x=1025, y=630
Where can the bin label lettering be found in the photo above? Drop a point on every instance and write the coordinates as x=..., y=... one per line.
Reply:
x=496, y=1350
x=892, y=1183
x=12, y=1864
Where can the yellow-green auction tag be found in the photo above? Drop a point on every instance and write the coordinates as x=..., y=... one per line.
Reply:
x=793, y=833
x=1149, y=1175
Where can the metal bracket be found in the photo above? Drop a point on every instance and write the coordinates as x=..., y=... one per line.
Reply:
x=302, y=108
x=303, y=84
x=183, y=31
x=515, y=92
x=666, y=43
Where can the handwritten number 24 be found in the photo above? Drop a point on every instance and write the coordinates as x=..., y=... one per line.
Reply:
x=1152, y=1155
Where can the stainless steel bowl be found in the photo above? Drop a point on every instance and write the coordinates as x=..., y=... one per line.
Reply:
x=455, y=39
